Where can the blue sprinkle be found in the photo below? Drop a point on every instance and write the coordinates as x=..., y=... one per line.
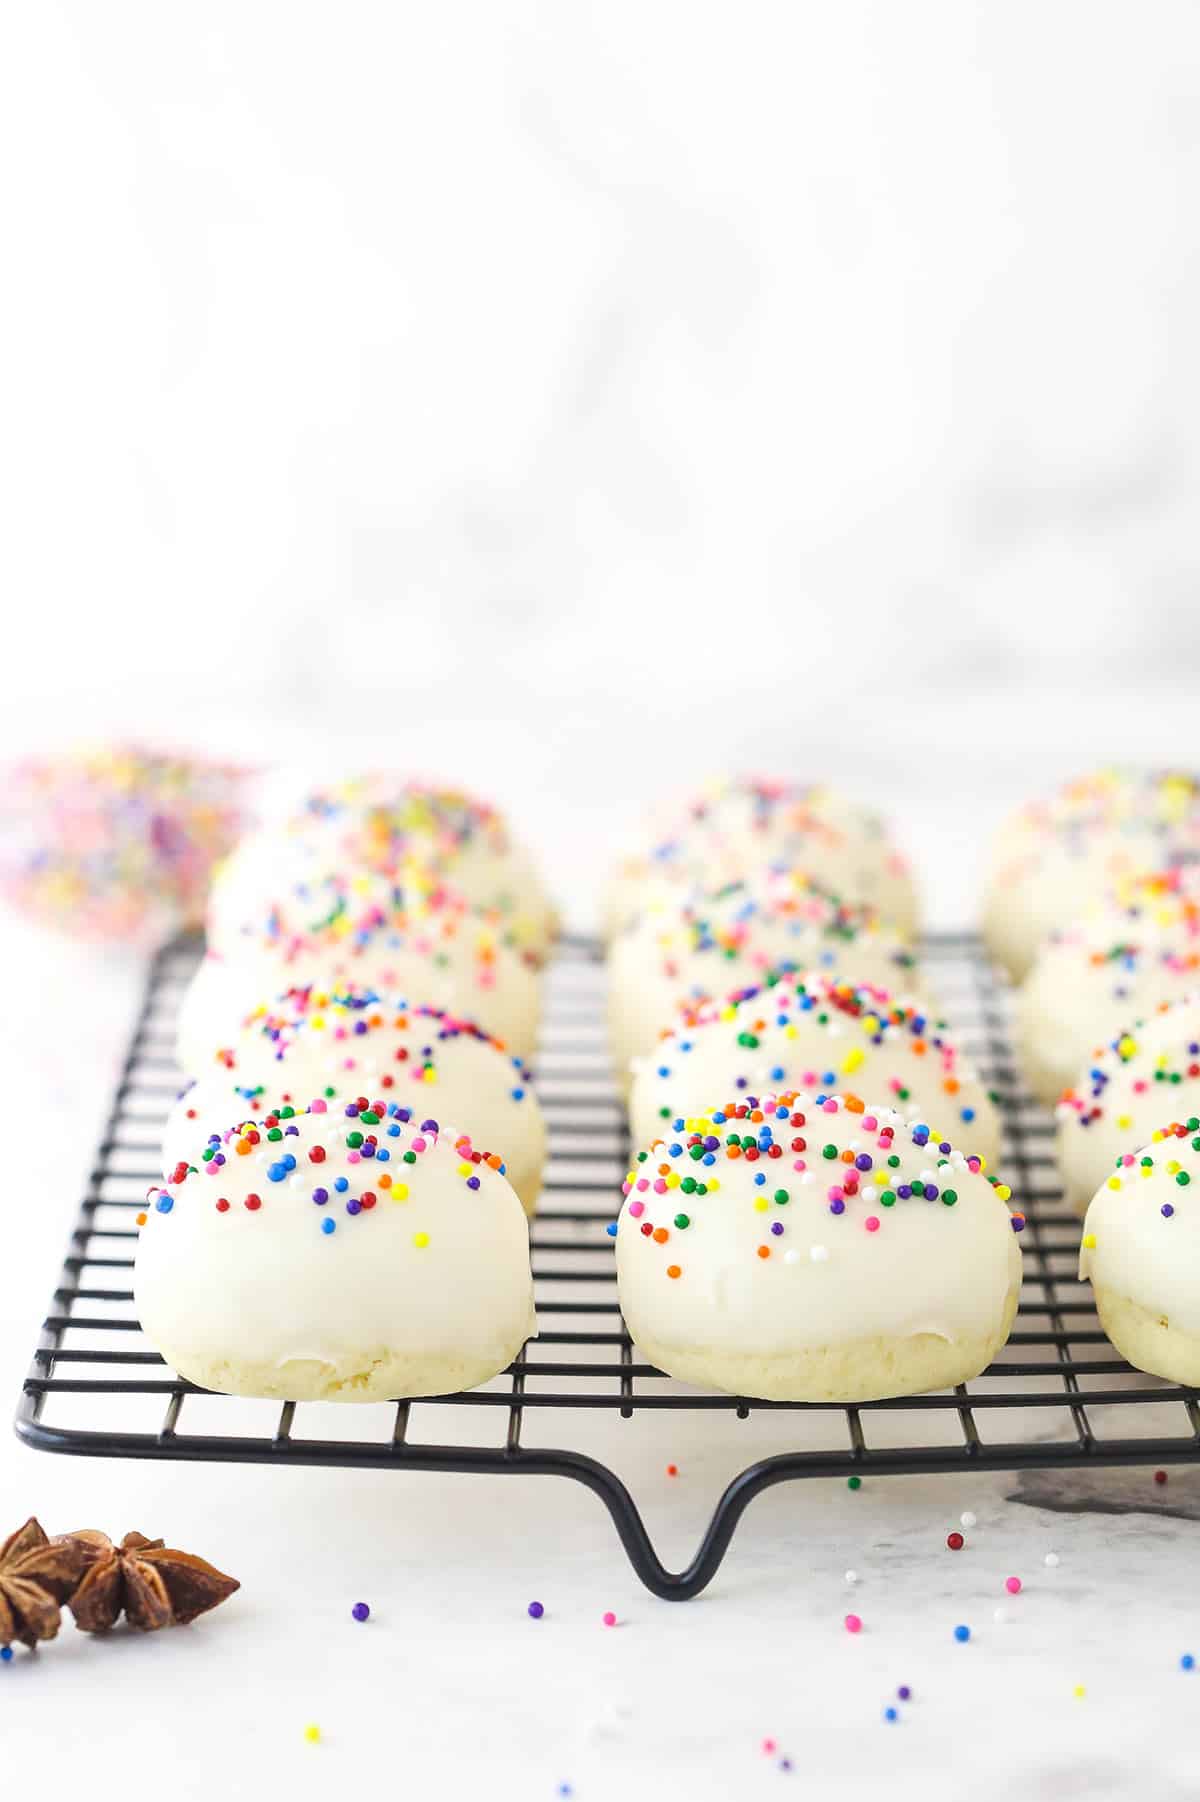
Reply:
x=891, y=1714
x=962, y=1635
x=518, y=1094
x=393, y=1132
x=611, y=1229
x=164, y=1204
x=6, y=1653
x=1187, y=1662
x=760, y=1178
x=277, y=1172
x=328, y=1225
x=968, y=1113
x=384, y=1155
x=341, y=1184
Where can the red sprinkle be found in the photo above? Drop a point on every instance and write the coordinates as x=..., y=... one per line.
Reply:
x=955, y=1541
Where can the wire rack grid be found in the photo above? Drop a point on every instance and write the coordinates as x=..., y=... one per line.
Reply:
x=1058, y=1395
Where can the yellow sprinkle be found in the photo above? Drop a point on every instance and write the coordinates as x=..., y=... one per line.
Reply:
x=1003, y=1191
x=672, y=1180
x=1079, y=1692
x=1114, y=1182
x=317, y=1023
x=312, y=1733
x=761, y=1204
x=420, y=1240
x=712, y=1185
x=464, y=1169
x=1089, y=1241
x=1124, y=1121
x=1174, y=1167
x=1157, y=1137
x=1127, y=1046
x=852, y=1060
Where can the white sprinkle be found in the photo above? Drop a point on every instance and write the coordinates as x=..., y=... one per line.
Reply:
x=792, y=1256
x=968, y=1519
x=852, y=1576
x=1000, y=1615
x=1051, y=1560
x=870, y=1193
x=818, y=1253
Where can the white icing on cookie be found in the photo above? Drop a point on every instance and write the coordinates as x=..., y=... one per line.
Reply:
x=352, y=1045
x=313, y=1259
x=436, y=949
x=735, y=827
x=678, y=955
x=815, y=1032
x=908, y=1266
x=361, y=837
x=1055, y=856
x=1118, y=963
x=1145, y=1078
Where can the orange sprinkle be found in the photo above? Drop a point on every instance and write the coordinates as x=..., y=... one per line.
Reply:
x=673, y=1270
x=854, y=1106
x=764, y=1251
x=243, y=1148
x=661, y=1235
x=141, y=1219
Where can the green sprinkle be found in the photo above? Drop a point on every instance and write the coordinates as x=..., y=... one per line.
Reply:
x=888, y=1199
x=781, y=1195
x=949, y=1196
x=682, y=1221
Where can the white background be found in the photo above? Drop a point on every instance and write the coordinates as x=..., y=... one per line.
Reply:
x=571, y=401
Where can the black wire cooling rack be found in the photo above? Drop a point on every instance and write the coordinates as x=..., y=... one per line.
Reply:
x=1057, y=1396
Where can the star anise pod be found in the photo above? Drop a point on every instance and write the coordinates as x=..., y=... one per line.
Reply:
x=36, y=1577
x=150, y=1582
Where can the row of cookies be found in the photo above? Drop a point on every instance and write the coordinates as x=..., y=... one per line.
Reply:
x=810, y=1210
x=346, y=1181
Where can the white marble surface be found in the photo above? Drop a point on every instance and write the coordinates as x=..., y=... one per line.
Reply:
x=572, y=400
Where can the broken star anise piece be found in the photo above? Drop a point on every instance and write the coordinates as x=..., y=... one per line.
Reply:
x=151, y=1583
x=36, y=1577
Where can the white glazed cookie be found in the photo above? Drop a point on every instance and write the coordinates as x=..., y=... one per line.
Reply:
x=813, y=1250
x=436, y=949
x=815, y=1032
x=1118, y=963
x=679, y=954
x=359, y=838
x=352, y=1045
x=1054, y=857
x=336, y=1255
x=737, y=826
x=1142, y=1079
x=1141, y=1253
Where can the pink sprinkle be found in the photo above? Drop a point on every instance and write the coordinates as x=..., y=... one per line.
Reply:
x=835, y=1194
x=872, y=1223
x=418, y=1144
x=831, y=1107
x=609, y=1619
x=870, y=1123
x=637, y=1209
x=799, y=1164
x=353, y=1157
x=643, y=1182
x=660, y=1185
x=317, y=1107
x=1013, y=1585
x=770, y=1747
x=853, y=1624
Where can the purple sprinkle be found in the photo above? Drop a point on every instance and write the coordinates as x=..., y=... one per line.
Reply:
x=837, y=1207
x=1167, y=1210
x=535, y=1611
x=361, y=1611
x=354, y=1207
x=320, y=1196
x=777, y=1227
x=472, y=1182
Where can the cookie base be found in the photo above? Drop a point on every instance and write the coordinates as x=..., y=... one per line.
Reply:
x=370, y=1376
x=854, y=1370
x=1146, y=1339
